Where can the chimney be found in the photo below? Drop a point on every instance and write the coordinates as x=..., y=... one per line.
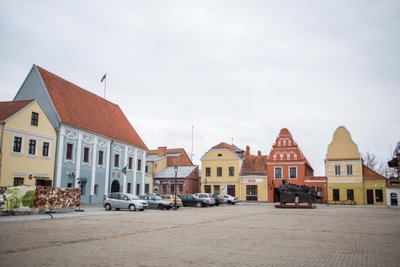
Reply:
x=247, y=150
x=162, y=151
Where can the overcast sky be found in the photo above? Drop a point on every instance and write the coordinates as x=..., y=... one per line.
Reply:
x=233, y=69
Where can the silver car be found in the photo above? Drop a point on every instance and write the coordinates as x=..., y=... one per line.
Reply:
x=124, y=201
x=230, y=199
x=207, y=198
x=157, y=202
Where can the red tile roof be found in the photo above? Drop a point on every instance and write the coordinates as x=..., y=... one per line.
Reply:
x=169, y=151
x=370, y=174
x=7, y=109
x=254, y=165
x=83, y=109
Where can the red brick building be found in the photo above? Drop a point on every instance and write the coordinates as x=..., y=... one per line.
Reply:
x=287, y=161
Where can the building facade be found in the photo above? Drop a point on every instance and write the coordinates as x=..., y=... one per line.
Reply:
x=27, y=145
x=158, y=171
x=349, y=180
x=253, y=177
x=220, y=170
x=287, y=161
x=98, y=150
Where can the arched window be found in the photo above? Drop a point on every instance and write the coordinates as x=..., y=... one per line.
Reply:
x=281, y=156
x=288, y=156
x=279, y=143
x=274, y=157
x=284, y=142
x=295, y=157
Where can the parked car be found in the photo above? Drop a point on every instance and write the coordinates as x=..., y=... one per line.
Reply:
x=230, y=199
x=219, y=200
x=157, y=202
x=124, y=201
x=2, y=202
x=171, y=198
x=192, y=201
x=207, y=198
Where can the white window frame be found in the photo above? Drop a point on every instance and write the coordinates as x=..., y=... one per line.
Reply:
x=297, y=175
x=338, y=167
x=72, y=154
x=36, y=142
x=275, y=168
x=22, y=145
x=347, y=169
x=98, y=156
x=49, y=151
x=83, y=155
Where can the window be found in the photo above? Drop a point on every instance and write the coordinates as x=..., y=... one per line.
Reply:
x=70, y=148
x=349, y=169
x=172, y=187
x=207, y=188
x=293, y=172
x=18, y=181
x=101, y=158
x=96, y=189
x=83, y=189
x=231, y=190
x=231, y=171
x=146, y=188
x=147, y=169
x=336, y=196
x=17, y=144
x=350, y=194
x=139, y=164
x=219, y=155
x=130, y=160
x=278, y=172
x=129, y=188
x=378, y=195
x=251, y=192
x=164, y=189
x=32, y=147
x=337, y=169
x=86, y=151
x=208, y=172
x=35, y=119
x=116, y=160
x=219, y=171
x=180, y=188
x=216, y=189
x=42, y=182
x=45, y=149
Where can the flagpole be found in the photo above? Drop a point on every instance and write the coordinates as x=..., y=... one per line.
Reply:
x=191, y=152
x=105, y=86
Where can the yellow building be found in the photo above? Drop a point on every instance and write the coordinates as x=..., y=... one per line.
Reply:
x=220, y=170
x=27, y=145
x=349, y=182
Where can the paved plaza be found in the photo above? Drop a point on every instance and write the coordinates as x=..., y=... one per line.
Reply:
x=240, y=235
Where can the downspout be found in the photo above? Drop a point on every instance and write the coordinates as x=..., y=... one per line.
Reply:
x=111, y=168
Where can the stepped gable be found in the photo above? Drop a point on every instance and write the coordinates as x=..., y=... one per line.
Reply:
x=9, y=108
x=286, y=149
x=82, y=109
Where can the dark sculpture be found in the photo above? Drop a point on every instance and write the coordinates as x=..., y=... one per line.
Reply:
x=292, y=193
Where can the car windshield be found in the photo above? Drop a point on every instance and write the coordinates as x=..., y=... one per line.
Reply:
x=166, y=197
x=156, y=198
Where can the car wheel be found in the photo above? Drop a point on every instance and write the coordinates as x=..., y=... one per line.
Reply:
x=168, y=208
x=216, y=204
x=230, y=202
x=198, y=204
x=132, y=207
x=204, y=205
x=107, y=206
x=160, y=206
x=117, y=209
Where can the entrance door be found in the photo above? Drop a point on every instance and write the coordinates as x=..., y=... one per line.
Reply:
x=393, y=199
x=115, y=186
x=251, y=192
x=137, y=189
x=370, y=197
x=276, y=195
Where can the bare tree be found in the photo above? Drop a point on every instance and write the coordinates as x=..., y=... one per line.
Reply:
x=370, y=160
x=396, y=151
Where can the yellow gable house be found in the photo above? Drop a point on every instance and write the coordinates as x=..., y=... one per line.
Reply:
x=27, y=145
x=349, y=181
x=220, y=170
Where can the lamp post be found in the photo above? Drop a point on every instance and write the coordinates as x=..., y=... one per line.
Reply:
x=176, y=173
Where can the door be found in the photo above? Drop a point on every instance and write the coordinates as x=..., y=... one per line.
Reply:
x=231, y=190
x=370, y=197
x=251, y=193
x=115, y=186
x=276, y=195
x=393, y=199
x=138, y=189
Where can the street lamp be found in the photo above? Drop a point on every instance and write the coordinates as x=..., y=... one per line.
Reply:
x=176, y=173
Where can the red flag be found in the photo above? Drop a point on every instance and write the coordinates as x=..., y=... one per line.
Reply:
x=102, y=79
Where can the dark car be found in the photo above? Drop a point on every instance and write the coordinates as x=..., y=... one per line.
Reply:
x=192, y=201
x=219, y=200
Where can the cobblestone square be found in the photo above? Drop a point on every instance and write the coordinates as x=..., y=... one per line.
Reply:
x=240, y=235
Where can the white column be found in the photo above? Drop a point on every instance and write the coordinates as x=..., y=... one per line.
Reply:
x=125, y=186
x=107, y=175
x=134, y=172
x=143, y=172
x=78, y=159
x=60, y=155
x=94, y=162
